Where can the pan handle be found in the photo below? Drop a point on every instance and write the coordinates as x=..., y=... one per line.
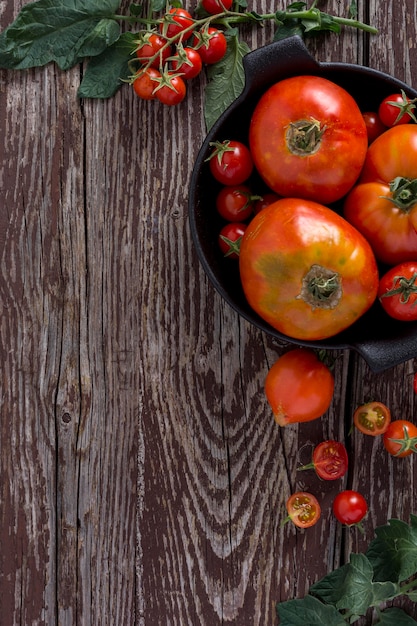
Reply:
x=273, y=62
x=382, y=355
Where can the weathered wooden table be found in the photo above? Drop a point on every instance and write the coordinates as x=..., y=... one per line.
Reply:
x=143, y=480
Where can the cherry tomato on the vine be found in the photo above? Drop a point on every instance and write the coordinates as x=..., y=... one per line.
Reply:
x=235, y=203
x=152, y=44
x=330, y=460
x=303, y=509
x=230, y=162
x=349, y=507
x=146, y=82
x=230, y=237
x=175, y=22
x=299, y=387
x=400, y=438
x=372, y=418
x=216, y=6
x=398, y=291
x=374, y=126
x=397, y=108
x=171, y=90
x=187, y=62
x=211, y=45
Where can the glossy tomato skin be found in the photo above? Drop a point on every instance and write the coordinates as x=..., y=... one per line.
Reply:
x=325, y=173
x=372, y=418
x=230, y=162
x=230, y=238
x=330, y=460
x=396, y=109
x=172, y=92
x=287, y=249
x=189, y=64
x=374, y=126
x=211, y=45
x=216, y=6
x=153, y=45
x=369, y=206
x=145, y=84
x=303, y=509
x=400, y=438
x=177, y=21
x=299, y=387
x=349, y=507
x=235, y=203
x=397, y=291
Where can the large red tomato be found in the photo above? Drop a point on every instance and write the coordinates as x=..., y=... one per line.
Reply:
x=305, y=270
x=383, y=206
x=308, y=139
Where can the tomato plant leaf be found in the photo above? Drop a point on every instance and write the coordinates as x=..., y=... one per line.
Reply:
x=393, y=552
x=60, y=31
x=106, y=72
x=308, y=610
x=226, y=80
x=395, y=617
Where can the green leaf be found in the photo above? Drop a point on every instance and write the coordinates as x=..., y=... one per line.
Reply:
x=106, y=72
x=226, y=81
x=308, y=610
x=395, y=617
x=288, y=29
x=60, y=31
x=393, y=552
x=351, y=587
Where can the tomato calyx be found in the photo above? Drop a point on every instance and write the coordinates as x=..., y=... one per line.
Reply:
x=219, y=148
x=406, y=444
x=321, y=288
x=233, y=246
x=405, y=107
x=402, y=287
x=304, y=137
x=404, y=193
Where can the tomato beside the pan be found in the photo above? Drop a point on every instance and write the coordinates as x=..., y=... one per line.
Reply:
x=383, y=205
x=305, y=270
x=308, y=139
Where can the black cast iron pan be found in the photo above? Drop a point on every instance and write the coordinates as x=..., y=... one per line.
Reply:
x=382, y=341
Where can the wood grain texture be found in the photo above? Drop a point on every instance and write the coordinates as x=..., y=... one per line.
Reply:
x=143, y=480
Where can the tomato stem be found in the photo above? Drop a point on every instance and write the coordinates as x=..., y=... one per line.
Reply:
x=321, y=288
x=406, y=443
x=304, y=136
x=404, y=193
x=403, y=287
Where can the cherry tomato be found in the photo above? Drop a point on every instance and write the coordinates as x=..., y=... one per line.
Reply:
x=400, y=438
x=146, y=82
x=372, y=418
x=330, y=460
x=216, y=6
x=235, y=203
x=383, y=205
x=305, y=270
x=187, y=62
x=230, y=238
x=172, y=90
x=211, y=45
x=397, y=109
x=349, y=507
x=176, y=21
x=152, y=44
x=264, y=201
x=299, y=387
x=230, y=162
x=374, y=126
x=308, y=139
x=398, y=291
x=303, y=509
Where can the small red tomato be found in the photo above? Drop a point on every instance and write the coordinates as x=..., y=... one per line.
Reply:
x=230, y=162
x=172, y=90
x=397, y=291
x=211, y=45
x=229, y=239
x=235, y=203
x=265, y=200
x=372, y=418
x=415, y=382
x=146, y=82
x=176, y=21
x=330, y=460
x=349, y=507
x=152, y=45
x=400, y=438
x=216, y=6
x=374, y=126
x=299, y=387
x=397, y=109
x=303, y=509
x=187, y=62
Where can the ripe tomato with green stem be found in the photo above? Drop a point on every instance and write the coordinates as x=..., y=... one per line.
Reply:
x=350, y=507
x=374, y=126
x=230, y=162
x=400, y=438
x=211, y=44
x=299, y=387
x=303, y=509
x=235, y=203
x=176, y=21
x=216, y=6
x=230, y=237
x=397, y=108
x=372, y=418
x=146, y=82
x=171, y=89
x=397, y=291
x=330, y=460
x=153, y=49
x=187, y=62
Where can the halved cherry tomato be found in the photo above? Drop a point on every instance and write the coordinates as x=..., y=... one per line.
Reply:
x=397, y=108
x=397, y=291
x=349, y=507
x=230, y=162
x=235, y=203
x=303, y=509
x=372, y=418
x=330, y=460
x=383, y=205
x=299, y=387
x=374, y=126
x=400, y=438
x=230, y=238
